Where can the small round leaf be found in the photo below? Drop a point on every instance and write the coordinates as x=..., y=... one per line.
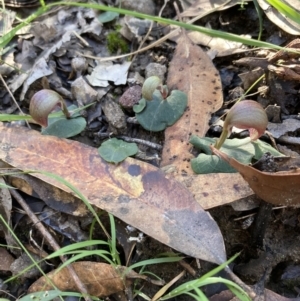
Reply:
x=115, y=150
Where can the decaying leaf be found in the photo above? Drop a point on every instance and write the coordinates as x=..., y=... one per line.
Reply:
x=198, y=7
x=106, y=71
x=192, y=72
x=54, y=197
x=279, y=19
x=280, y=188
x=136, y=192
x=215, y=189
x=101, y=279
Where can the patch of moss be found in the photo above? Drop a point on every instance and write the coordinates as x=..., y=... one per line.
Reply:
x=116, y=42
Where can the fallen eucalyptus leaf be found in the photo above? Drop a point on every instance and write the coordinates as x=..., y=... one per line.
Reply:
x=136, y=192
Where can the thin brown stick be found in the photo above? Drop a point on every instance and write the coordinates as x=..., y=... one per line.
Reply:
x=81, y=287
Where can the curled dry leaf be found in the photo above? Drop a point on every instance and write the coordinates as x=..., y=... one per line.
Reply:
x=280, y=188
x=101, y=279
x=136, y=192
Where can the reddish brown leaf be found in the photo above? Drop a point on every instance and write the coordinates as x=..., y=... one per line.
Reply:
x=136, y=192
x=192, y=72
x=101, y=279
x=281, y=188
x=216, y=189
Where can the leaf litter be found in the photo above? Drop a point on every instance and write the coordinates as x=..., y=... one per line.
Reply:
x=208, y=190
x=131, y=190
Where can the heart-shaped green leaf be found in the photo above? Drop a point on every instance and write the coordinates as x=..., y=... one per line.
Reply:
x=115, y=150
x=160, y=113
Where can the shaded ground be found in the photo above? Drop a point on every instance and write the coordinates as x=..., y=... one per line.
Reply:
x=272, y=257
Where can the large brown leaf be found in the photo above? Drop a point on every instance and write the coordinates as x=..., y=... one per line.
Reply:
x=190, y=71
x=136, y=192
x=280, y=188
x=193, y=72
x=101, y=279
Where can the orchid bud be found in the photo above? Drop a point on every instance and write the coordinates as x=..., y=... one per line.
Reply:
x=79, y=65
x=246, y=115
x=43, y=103
x=149, y=86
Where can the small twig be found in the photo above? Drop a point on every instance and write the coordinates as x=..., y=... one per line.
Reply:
x=187, y=267
x=130, y=139
x=141, y=141
x=84, y=42
x=81, y=287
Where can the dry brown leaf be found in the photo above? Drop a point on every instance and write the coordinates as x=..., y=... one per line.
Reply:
x=100, y=279
x=134, y=191
x=212, y=190
x=6, y=260
x=192, y=72
x=55, y=198
x=280, y=188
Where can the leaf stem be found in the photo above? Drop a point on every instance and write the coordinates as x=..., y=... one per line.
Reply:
x=222, y=139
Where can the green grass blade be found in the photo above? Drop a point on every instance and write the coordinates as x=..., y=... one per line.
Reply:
x=113, y=241
x=219, y=268
x=286, y=10
x=259, y=14
x=76, y=246
x=154, y=261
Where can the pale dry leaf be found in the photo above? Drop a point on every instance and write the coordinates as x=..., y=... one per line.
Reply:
x=280, y=20
x=101, y=279
x=192, y=72
x=198, y=7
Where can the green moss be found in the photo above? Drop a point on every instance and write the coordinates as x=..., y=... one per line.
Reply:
x=116, y=42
